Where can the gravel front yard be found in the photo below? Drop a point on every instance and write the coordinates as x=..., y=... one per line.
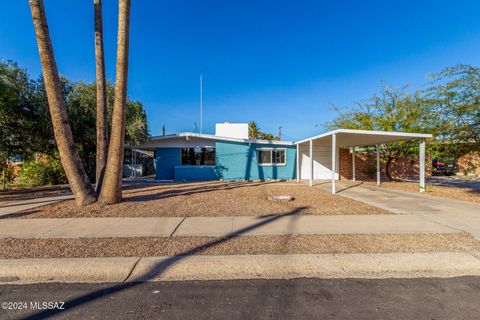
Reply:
x=457, y=193
x=212, y=199
x=142, y=247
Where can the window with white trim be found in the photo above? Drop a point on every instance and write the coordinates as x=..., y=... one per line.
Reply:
x=271, y=157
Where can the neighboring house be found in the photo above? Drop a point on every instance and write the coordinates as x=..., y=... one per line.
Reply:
x=227, y=155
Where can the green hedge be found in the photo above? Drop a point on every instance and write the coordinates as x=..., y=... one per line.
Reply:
x=40, y=173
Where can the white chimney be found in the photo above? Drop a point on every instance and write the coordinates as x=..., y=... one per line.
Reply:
x=232, y=130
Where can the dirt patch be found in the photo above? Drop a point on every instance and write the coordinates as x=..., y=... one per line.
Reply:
x=456, y=193
x=141, y=247
x=14, y=195
x=212, y=199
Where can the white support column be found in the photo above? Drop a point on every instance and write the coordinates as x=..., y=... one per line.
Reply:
x=334, y=160
x=422, y=165
x=311, y=163
x=378, y=166
x=353, y=164
x=298, y=162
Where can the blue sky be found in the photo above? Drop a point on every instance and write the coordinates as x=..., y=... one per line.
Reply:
x=277, y=62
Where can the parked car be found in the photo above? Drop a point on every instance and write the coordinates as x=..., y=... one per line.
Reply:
x=446, y=168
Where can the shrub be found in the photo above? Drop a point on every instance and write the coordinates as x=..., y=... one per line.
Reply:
x=48, y=171
x=469, y=163
x=8, y=173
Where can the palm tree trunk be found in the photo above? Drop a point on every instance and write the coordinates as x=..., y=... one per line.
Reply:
x=112, y=184
x=74, y=170
x=102, y=132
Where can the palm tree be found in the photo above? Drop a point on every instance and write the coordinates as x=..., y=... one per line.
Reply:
x=111, y=191
x=74, y=170
x=102, y=126
x=253, y=130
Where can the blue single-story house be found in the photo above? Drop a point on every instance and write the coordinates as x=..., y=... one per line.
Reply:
x=231, y=155
x=227, y=155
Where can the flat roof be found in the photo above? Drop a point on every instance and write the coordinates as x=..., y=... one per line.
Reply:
x=360, y=138
x=217, y=138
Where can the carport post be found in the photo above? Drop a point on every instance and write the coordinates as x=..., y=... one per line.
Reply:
x=334, y=160
x=378, y=165
x=298, y=163
x=311, y=163
x=353, y=163
x=422, y=165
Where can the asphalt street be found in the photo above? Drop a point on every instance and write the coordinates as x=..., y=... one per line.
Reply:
x=423, y=298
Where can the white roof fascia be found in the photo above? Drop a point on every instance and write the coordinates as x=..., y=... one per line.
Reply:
x=213, y=137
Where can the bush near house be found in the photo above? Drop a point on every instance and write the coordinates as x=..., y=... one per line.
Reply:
x=46, y=170
x=469, y=163
x=7, y=174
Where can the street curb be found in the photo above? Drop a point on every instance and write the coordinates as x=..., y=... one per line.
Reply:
x=179, y=268
x=43, y=270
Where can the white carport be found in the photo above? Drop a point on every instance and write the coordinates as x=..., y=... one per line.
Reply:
x=317, y=157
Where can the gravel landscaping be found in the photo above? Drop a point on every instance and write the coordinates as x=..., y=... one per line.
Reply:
x=456, y=193
x=142, y=247
x=212, y=199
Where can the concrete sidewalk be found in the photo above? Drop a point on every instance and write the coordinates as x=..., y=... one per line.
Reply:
x=391, y=265
x=9, y=209
x=217, y=226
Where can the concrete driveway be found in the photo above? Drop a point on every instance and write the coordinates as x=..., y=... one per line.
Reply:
x=452, y=181
x=461, y=215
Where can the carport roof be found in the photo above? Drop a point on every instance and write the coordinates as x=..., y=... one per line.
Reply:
x=359, y=138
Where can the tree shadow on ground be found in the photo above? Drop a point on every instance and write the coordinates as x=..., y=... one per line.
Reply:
x=17, y=215
x=197, y=189
x=158, y=269
x=33, y=193
x=474, y=192
x=348, y=186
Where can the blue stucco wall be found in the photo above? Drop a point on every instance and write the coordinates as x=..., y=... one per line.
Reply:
x=234, y=161
x=201, y=173
x=165, y=161
x=238, y=161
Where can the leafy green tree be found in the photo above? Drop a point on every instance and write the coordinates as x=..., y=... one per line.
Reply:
x=454, y=100
x=24, y=121
x=392, y=110
x=81, y=106
x=136, y=130
x=25, y=126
